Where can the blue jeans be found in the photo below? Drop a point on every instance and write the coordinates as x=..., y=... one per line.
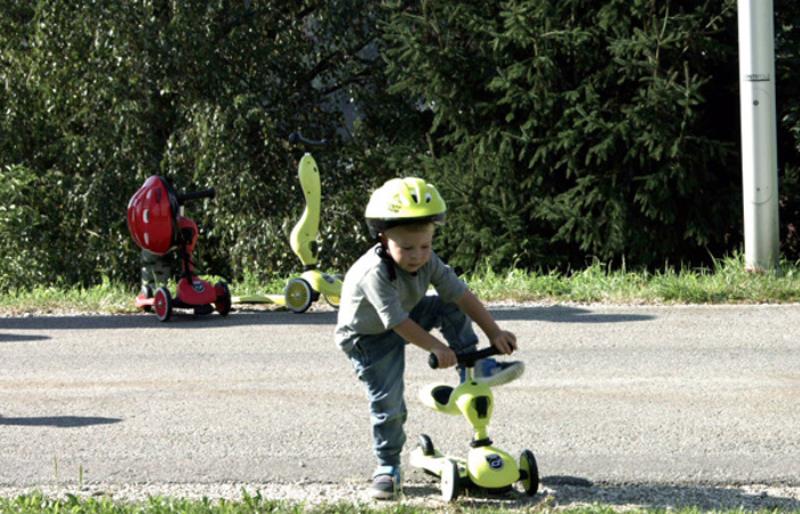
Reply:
x=379, y=361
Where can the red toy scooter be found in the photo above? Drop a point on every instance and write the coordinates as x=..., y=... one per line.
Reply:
x=157, y=225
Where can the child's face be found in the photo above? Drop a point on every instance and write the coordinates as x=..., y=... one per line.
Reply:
x=410, y=248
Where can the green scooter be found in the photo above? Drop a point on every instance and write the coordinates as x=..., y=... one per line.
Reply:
x=486, y=467
x=300, y=292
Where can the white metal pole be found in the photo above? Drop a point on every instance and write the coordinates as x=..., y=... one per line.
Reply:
x=759, y=141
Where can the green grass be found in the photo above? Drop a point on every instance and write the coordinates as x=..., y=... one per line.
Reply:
x=106, y=297
x=39, y=504
x=725, y=282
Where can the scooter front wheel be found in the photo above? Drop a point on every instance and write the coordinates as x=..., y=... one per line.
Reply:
x=162, y=304
x=529, y=471
x=426, y=444
x=298, y=295
x=450, y=481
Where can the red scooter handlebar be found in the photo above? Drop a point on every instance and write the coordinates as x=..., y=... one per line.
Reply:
x=195, y=195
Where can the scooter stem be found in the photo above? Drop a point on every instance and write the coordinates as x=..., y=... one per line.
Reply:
x=306, y=230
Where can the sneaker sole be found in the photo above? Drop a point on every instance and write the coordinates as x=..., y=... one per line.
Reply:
x=504, y=377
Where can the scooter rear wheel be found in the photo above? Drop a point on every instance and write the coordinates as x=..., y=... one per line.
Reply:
x=450, y=481
x=530, y=471
x=298, y=295
x=146, y=292
x=331, y=300
x=223, y=303
x=162, y=304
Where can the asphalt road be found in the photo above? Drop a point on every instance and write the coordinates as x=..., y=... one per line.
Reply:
x=611, y=394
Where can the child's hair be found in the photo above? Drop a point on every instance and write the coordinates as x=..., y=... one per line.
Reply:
x=418, y=226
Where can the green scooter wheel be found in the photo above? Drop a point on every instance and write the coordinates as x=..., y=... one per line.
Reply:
x=331, y=300
x=529, y=471
x=298, y=295
x=426, y=444
x=450, y=481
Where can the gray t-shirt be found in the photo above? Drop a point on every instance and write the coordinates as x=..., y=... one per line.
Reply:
x=371, y=303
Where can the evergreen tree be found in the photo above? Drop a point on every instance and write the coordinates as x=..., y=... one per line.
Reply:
x=571, y=128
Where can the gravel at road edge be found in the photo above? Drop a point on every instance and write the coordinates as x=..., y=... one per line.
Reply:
x=425, y=494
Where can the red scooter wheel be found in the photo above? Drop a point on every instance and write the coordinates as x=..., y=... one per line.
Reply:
x=223, y=303
x=163, y=304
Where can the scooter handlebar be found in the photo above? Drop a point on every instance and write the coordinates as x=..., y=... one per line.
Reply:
x=466, y=360
x=297, y=137
x=196, y=195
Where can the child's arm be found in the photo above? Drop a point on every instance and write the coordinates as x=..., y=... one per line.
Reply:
x=503, y=340
x=418, y=336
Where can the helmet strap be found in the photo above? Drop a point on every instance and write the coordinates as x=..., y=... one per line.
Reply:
x=386, y=258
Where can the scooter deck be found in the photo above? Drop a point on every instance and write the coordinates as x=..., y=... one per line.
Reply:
x=276, y=299
x=433, y=464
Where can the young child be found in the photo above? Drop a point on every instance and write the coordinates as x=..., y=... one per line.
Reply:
x=384, y=305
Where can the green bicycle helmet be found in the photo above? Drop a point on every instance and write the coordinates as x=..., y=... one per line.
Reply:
x=403, y=201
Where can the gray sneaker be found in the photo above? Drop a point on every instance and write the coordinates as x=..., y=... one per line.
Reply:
x=386, y=483
x=494, y=373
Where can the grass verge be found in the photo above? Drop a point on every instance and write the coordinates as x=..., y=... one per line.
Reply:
x=39, y=504
x=725, y=282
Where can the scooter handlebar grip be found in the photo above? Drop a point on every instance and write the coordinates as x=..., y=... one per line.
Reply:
x=196, y=195
x=465, y=359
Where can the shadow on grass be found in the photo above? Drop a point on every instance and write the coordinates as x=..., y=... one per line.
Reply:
x=58, y=421
x=183, y=320
x=567, y=491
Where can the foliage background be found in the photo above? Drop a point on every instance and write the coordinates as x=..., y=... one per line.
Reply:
x=560, y=132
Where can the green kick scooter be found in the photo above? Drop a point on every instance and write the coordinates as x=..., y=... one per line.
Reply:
x=486, y=467
x=300, y=292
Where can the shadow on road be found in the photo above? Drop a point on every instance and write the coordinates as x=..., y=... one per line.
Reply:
x=58, y=421
x=181, y=321
x=563, y=491
x=14, y=338
x=703, y=497
x=565, y=314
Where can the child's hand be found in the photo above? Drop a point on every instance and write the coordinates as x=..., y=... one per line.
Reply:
x=447, y=357
x=504, y=341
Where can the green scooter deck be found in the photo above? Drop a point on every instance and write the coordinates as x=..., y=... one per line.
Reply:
x=433, y=464
x=275, y=299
